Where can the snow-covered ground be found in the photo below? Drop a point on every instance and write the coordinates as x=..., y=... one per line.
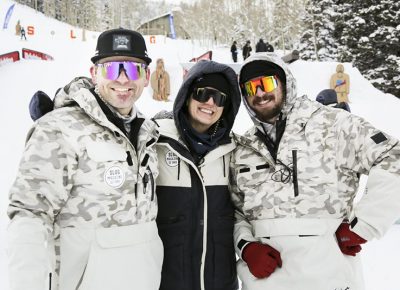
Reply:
x=18, y=82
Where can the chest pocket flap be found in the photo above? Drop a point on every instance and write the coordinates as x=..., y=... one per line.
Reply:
x=102, y=151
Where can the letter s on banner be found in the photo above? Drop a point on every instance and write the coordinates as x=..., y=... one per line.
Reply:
x=31, y=30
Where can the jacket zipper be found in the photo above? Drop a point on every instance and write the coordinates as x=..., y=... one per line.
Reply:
x=295, y=181
x=152, y=184
x=50, y=276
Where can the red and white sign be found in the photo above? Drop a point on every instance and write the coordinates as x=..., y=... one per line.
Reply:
x=207, y=56
x=187, y=66
x=9, y=57
x=33, y=54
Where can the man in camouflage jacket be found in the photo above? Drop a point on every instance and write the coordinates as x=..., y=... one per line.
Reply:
x=83, y=205
x=295, y=176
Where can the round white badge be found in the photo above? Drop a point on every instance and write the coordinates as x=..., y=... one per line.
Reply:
x=172, y=159
x=114, y=177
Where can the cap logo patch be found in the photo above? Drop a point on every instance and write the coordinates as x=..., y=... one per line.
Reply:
x=121, y=42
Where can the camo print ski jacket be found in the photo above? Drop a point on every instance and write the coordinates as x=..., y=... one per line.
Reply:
x=78, y=171
x=322, y=153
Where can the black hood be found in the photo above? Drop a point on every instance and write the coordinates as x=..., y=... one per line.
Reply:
x=207, y=67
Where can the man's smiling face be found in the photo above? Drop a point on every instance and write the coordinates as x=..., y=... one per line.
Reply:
x=122, y=92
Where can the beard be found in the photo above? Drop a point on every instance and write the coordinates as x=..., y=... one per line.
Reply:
x=270, y=114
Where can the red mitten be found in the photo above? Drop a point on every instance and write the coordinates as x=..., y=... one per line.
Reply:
x=261, y=259
x=349, y=242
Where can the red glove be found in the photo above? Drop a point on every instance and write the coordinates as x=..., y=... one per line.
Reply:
x=261, y=259
x=349, y=242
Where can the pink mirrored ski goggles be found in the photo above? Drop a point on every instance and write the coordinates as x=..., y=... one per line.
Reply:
x=112, y=69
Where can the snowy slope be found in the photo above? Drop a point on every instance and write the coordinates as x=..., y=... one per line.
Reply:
x=18, y=82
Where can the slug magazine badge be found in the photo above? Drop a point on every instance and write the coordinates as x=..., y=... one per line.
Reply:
x=114, y=176
x=171, y=158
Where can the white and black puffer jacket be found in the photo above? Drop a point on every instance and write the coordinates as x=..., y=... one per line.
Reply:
x=195, y=218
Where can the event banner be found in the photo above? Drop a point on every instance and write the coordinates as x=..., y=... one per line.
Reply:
x=33, y=54
x=171, y=26
x=9, y=57
x=8, y=16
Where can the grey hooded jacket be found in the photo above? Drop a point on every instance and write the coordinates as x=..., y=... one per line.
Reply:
x=296, y=201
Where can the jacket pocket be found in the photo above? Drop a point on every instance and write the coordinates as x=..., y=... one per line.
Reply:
x=101, y=151
x=121, y=254
x=224, y=260
x=173, y=269
x=252, y=175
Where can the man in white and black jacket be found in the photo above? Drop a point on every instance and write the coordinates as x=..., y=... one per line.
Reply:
x=195, y=217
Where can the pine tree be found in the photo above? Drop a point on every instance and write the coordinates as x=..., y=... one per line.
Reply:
x=317, y=41
x=286, y=23
x=371, y=37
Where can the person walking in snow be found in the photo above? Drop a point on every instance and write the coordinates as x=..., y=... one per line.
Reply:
x=234, y=51
x=246, y=50
x=295, y=175
x=23, y=33
x=83, y=206
x=261, y=46
x=270, y=48
x=195, y=218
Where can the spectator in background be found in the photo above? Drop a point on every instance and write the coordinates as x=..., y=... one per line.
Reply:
x=246, y=50
x=329, y=98
x=23, y=33
x=270, y=48
x=261, y=46
x=234, y=51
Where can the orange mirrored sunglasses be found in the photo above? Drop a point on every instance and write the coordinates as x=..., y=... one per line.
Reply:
x=265, y=83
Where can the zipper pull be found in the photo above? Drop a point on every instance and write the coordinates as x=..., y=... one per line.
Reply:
x=145, y=181
x=129, y=158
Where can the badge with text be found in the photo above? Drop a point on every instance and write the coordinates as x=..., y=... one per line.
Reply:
x=172, y=159
x=114, y=177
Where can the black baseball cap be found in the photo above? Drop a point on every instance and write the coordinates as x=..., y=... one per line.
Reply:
x=121, y=42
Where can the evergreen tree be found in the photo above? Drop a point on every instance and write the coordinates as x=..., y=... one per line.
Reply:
x=371, y=42
x=286, y=23
x=317, y=41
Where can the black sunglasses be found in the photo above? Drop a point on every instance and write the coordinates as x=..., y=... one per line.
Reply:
x=202, y=95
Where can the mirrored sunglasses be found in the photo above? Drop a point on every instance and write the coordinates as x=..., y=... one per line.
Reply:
x=265, y=83
x=202, y=95
x=112, y=69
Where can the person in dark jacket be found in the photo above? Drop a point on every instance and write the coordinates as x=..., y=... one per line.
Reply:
x=234, y=51
x=195, y=218
x=270, y=48
x=261, y=46
x=23, y=33
x=328, y=97
x=246, y=50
